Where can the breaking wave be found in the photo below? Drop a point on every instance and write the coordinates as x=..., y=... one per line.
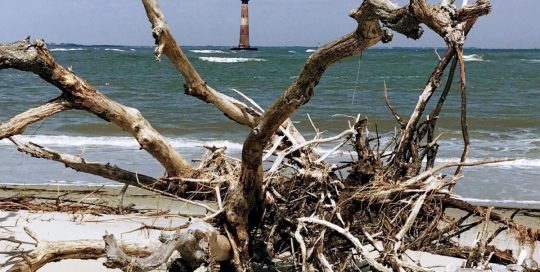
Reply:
x=116, y=141
x=229, y=60
x=208, y=51
x=115, y=49
x=503, y=203
x=473, y=57
x=518, y=163
x=310, y=50
x=66, y=49
x=531, y=60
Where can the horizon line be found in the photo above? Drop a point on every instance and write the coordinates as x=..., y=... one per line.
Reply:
x=304, y=46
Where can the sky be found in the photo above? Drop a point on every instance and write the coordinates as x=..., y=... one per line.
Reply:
x=512, y=24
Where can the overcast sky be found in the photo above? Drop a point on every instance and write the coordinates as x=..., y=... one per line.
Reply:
x=512, y=24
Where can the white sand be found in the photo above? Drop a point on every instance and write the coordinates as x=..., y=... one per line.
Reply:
x=52, y=226
x=60, y=226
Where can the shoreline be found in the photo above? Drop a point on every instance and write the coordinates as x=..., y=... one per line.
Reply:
x=139, y=199
x=115, y=188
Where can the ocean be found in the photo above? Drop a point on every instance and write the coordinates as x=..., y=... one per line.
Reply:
x=504, y=111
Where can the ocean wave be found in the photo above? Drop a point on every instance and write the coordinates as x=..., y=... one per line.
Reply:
x=66, y=49
x=524, y=163
x=508, y=203
x=229, y=60
x=310, y=50
x=292, y=51
x=116, y=141
x=66, y=183
x=115, y=49
x=473, y=57
x=531, y=60
x=208, y=51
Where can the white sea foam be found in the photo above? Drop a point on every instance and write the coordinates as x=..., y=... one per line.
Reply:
x=518, y=163
x=503, y=203
x=125, y=142
x=66, y=183
x=531, y=60
x=473, y=57
x=229, y=60
x=310, y=50
x=291, y=51
x=66, y=49
x=208, y=51
x=114, y=49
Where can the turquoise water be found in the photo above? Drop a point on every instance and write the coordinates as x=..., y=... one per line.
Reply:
x=504, y=116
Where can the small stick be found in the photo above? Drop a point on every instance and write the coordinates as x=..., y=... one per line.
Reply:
x=321, y=159
x=303, y=248
x=274, y=147
x=363, y=252
x=392, y=109
x=464, y=129
x=121, y=198
x=249, y=100
x=177, y=197
x=218, y=197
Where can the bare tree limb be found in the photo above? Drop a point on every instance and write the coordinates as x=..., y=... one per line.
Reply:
x=79, y=164
x=463, y=115
x=244, y=197
x=17, y=124
x=53, y=251
x=195, y=85
x=392, y=109
x=36, y=57
x=376, y=265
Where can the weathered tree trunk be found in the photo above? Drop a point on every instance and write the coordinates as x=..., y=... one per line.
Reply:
x=244, y=204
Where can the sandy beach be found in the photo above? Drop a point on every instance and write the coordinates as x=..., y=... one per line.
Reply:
x=57, y=226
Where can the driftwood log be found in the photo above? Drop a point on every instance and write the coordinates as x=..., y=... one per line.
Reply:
x=47, y=252
x=302, y=209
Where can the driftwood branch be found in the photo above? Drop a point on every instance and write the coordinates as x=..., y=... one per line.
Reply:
x=198, y=244
x=53, y=251
x=363, y=252
x=195, y=85
x=17, y=124
x=35, y=57
x=79, y=164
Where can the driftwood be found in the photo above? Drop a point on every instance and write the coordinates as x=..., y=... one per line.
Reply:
x=47, y=252
x=35, y=57
x=198, y=245
x=302, y=209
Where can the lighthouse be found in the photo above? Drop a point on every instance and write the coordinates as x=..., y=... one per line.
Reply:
x=244, y=28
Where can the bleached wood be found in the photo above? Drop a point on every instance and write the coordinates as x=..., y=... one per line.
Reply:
x=36, y=57
x=17, y=124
